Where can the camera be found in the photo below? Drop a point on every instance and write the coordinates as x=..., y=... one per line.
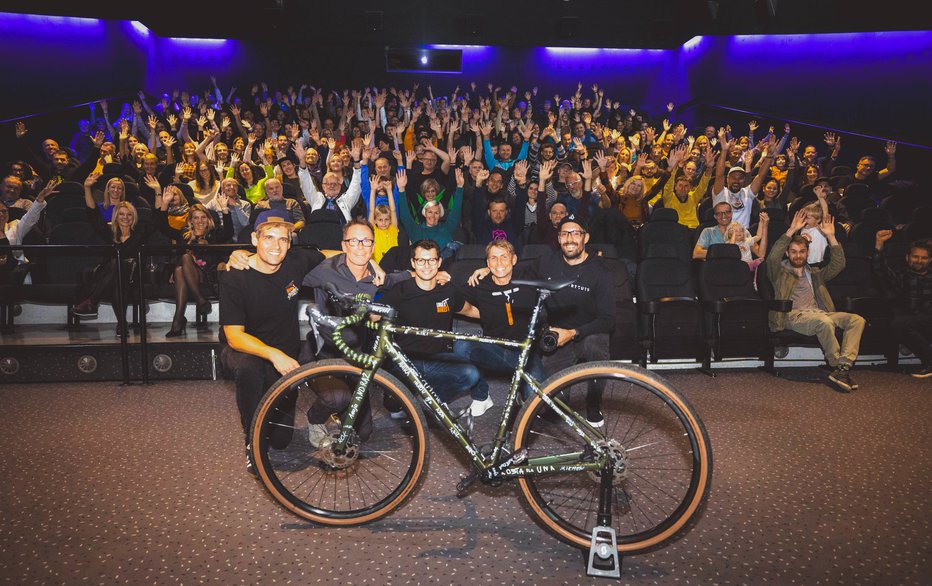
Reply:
x=548, y=340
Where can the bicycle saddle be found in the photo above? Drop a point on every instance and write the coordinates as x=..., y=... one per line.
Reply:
x=549, y=284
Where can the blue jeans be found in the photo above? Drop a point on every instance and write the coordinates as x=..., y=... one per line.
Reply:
x=498, y=360
x=450, y=375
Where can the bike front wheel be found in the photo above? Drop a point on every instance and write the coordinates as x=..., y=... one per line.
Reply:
x=298, y=420
x=660, y=449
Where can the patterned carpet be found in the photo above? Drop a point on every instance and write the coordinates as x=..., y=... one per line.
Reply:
x=101, y=484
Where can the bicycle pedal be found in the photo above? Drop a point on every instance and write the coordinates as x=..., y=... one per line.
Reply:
x=462, y=487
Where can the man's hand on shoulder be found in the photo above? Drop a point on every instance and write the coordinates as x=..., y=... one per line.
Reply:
x=239, y=260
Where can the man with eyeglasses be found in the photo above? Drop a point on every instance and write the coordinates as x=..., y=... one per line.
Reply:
x=332, y=184
x=723, y=215
x=583, y=314
x=424, y=303
x=353, y=271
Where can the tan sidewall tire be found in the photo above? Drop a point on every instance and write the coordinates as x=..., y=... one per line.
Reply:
x=634, y=373
x=341, y=367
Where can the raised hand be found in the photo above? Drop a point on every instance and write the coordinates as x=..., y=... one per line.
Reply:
x=98, y=139
x=830, y=138
x=179, y=169
x=21, y=129
x=401, y=178
x=827, y=227
x=890, y=148
x=763, y=219
x=587, y=170
x=47, y=190
x=152, y=183
x=546, y=170
x=468, y=154
x=153, y=122
x=881, y=238
x=169, y=142
x=91, y=179
x=799, y=221
x=601, y=160
x=211, y=113
x=186, y=113
x=460, y=179
x=752, y=125
x=521, y=171
x=172, y=120
x=482, y=176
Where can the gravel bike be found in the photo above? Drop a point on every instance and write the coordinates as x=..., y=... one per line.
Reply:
x=627, y=485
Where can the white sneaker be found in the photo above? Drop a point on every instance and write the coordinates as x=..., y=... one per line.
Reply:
x=318, y=436
x=478, y=408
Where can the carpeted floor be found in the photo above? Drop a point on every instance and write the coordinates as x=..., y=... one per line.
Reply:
x=101, y=484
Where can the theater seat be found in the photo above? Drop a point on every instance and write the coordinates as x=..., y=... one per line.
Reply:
x=735, y=315
x=671, y=316
x=664, y=236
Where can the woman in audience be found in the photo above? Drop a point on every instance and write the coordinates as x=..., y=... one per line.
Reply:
x=195, y=270
x=114, y=193
x=206, y=184
x=124, y=232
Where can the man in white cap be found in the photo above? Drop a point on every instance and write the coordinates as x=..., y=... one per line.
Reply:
x=731, y=189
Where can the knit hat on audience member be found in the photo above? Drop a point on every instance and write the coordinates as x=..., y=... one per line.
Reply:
x=571, y=219
x=737, y=169
x=273, y=218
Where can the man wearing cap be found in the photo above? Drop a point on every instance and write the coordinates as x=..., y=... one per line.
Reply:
x=583, y=314
x=259, y=314
x=731, y=188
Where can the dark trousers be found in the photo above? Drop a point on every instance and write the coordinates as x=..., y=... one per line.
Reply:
x=104, y=283
x=498, y=360
x=588, y=349
x=252, y=377
x=915, y=332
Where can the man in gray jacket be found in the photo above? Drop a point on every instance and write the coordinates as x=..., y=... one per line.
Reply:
x=813, y=312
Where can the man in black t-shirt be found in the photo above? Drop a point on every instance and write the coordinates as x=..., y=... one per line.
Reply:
x=424, y=303
x=583, y=314
x=504, y=310
x=259, y=315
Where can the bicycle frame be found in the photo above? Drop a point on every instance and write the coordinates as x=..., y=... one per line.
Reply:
x=493, y=465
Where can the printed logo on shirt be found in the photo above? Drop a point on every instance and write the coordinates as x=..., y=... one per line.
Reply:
x=291, y=290
x=443, y=306
x=499, y=235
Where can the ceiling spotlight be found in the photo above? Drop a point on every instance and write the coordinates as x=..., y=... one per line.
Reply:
x=423, y=59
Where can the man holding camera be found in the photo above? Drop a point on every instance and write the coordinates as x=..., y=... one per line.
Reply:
x=582, y=315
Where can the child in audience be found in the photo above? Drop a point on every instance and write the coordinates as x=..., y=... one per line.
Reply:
x=736, y=234
x=383, y=218
x=817, y=242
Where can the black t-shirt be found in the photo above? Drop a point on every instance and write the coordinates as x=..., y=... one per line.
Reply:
x=504, y=310
x=267, y=305
x=424, y=309
x=588, y=305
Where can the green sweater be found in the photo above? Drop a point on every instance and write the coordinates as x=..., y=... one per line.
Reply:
x=255, y=192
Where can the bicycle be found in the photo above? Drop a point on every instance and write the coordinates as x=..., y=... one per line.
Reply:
x=642, y=476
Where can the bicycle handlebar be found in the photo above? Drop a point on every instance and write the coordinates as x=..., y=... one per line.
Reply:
x=361, y=304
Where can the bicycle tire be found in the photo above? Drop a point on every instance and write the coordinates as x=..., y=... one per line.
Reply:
x=392, y=453
x=668, y=469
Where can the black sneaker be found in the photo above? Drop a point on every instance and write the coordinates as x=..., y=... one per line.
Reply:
x=250, y=465
x=842, y=380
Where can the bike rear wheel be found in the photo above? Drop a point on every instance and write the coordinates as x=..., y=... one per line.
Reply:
x=383, y=462
x=662, y=452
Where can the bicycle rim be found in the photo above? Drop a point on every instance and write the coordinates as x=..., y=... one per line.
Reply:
x=651, y=429
x=382, y=467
